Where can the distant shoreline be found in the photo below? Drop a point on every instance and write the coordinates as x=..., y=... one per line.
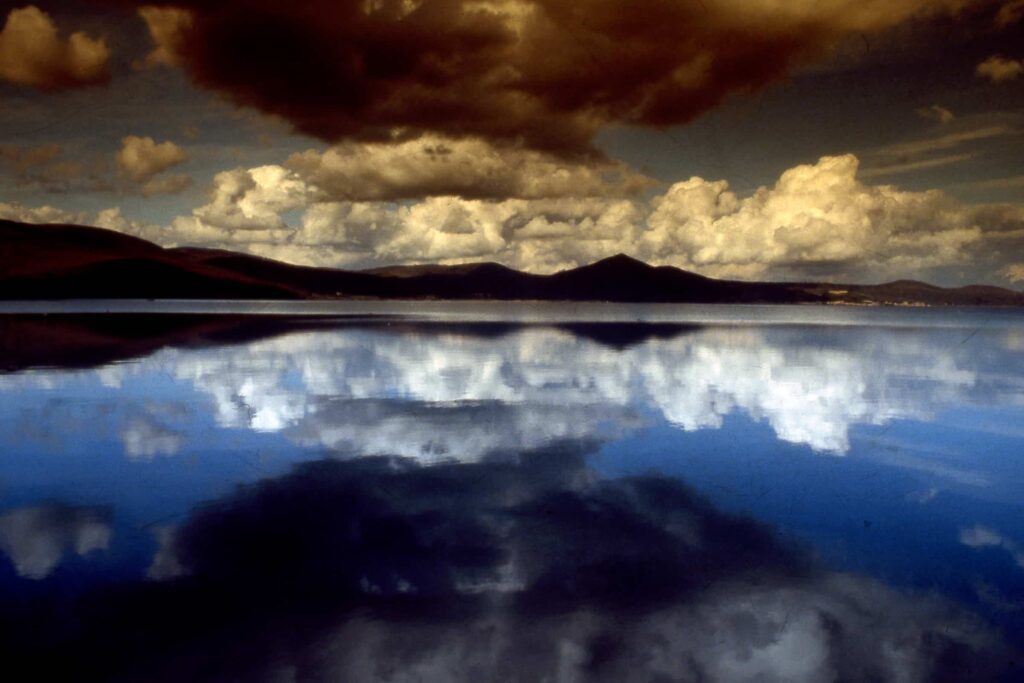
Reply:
x=69, y=262
x=515, y=311
x=13, y=306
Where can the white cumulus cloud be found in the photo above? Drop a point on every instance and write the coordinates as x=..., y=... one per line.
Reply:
x=253, y=199
x=434, y=165
x=816, y=214
x=32, y=53
x=142, y=158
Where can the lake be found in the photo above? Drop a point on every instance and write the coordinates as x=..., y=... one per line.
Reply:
x=427, y=491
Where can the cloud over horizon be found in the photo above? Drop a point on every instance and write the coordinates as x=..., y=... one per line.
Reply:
x=818, y=220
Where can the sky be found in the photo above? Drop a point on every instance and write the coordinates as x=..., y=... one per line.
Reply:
x=849, y=140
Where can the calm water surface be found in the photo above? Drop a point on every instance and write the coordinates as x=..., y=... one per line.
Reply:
x=471, y=492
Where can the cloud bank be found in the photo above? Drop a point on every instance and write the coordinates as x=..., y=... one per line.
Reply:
x=818, y=220
x=442, y=200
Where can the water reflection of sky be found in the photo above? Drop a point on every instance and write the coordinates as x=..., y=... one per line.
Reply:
x=801, y=503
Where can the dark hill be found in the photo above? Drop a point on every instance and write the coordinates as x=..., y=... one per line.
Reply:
x=435, y=269
x=69, y=262
x=626, y=279
x=41, y=249
x=76, y=262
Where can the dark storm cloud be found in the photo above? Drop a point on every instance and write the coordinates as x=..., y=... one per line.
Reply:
x=527, y=567
x=546, y=73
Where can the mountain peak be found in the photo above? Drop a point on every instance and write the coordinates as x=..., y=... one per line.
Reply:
x=620, y=261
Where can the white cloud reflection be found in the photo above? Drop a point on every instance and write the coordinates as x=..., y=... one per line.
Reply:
x=473, y=395
x=145, y=438
x=36, y=539
x=979, y=536
x=467, y=392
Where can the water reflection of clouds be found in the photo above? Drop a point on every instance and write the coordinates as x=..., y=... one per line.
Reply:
x=980, y=536
x=1014, y=340
x=507, y=558
x=810, y=387
x=56, y=423
x=527, y=569
x=541, y=384
x=146, y=433
x=35, y=539
x=808, y=392
x=145, y=438
x=463, y=431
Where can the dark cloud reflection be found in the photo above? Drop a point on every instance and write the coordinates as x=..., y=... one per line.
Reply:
x=524, y=567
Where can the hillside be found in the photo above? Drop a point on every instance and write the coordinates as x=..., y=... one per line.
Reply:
x=76, y=262
x=70, y=262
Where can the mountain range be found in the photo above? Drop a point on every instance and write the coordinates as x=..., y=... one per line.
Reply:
x=40, y=262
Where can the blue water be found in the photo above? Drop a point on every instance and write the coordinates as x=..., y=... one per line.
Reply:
x=497, y=492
